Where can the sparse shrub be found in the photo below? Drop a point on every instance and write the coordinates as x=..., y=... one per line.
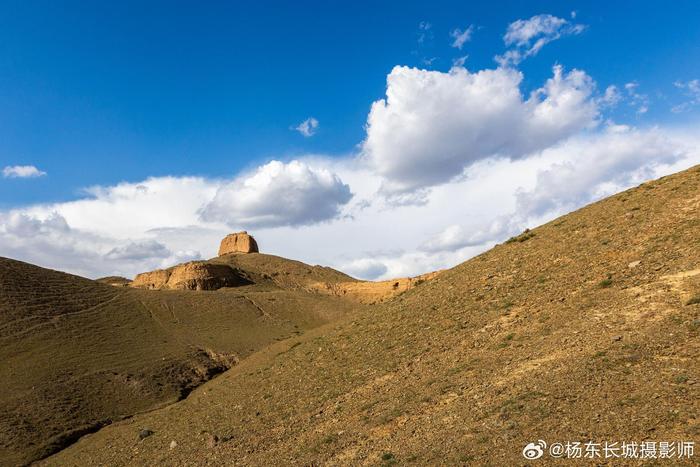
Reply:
x=629, y=401
x=523, y=237
x=694, y=301
x=680, y=379
x=605, y=283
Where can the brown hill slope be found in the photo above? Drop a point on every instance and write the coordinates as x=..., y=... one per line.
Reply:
x=584, y=329
x=232, y=269
x=281, y=271
x=255, y=268
x=77, y=354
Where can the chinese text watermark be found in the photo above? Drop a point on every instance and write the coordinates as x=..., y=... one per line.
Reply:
x=610, y=450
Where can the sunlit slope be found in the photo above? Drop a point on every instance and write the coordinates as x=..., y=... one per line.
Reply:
x=281, y=271
x=585, y=329
x=77, y=354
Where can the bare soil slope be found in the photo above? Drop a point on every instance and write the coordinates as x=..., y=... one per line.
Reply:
x=78, y=354
x=583, y=329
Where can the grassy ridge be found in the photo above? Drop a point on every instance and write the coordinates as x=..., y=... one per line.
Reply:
x=77, y=354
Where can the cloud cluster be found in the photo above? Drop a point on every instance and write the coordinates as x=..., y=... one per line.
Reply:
x=587, y=169
x=526, y=37
x=461, y=37
x=692, y=91
x=637, y=99
x=51, y=242
x=456, y=237
x=22, y=171
x=308, y=127
x=278, y=194
x=133, y=227
x=424, y=32
x=432, y=125
x=572, y=174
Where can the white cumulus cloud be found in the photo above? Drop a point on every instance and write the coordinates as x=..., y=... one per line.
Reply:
x=279, y=194
x=22, y=171
x=432, y=125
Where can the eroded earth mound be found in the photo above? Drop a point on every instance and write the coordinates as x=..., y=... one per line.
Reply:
x=195, y=275
x=239, y=242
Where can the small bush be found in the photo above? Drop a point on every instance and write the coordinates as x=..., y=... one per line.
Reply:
x=605, y=283
x=387, y=456
x=680, y=379
x=523, y=237
x=694, y=301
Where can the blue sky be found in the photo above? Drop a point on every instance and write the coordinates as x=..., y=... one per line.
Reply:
x=94, y=95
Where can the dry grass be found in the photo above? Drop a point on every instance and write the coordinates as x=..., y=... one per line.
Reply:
x=77, y=354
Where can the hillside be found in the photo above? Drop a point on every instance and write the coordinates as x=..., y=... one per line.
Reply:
x=584, y=329
x=78, y=354
x=281, y=271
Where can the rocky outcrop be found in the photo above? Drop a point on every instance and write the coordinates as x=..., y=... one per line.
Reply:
x=199, y=275
x=151, y=280
x=239, y=242
x=195, y=275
